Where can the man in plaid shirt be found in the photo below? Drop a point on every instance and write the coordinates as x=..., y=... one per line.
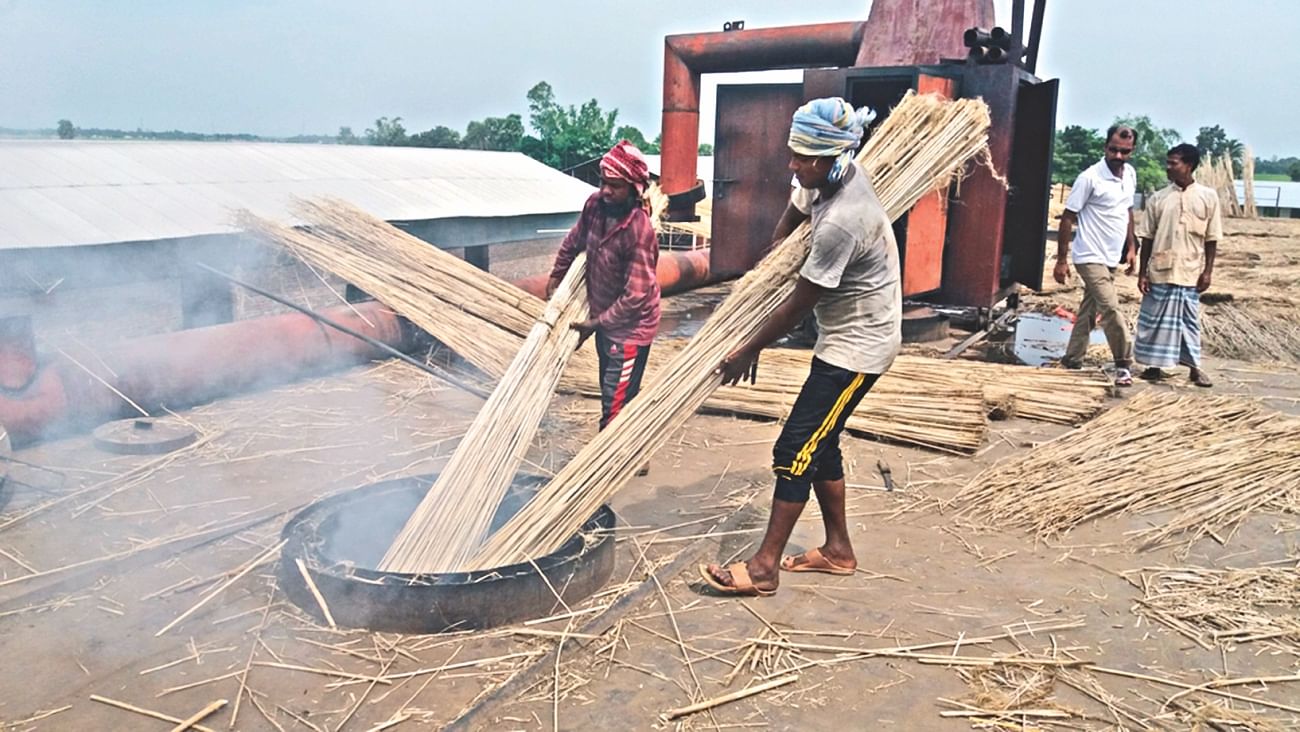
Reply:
x=622, y=286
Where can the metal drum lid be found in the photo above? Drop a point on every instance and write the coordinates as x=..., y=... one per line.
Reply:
x=144, y=436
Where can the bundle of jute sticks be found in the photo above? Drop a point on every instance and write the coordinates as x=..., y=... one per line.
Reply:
x=1206, y=462
x=454, y=516
x=923, y=144
x=482, y=318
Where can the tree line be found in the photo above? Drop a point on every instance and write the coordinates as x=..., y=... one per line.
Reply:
x=564, y=136
x=1078, y=147
x=558, y=135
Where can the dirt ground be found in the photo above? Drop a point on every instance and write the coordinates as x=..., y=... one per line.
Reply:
x=100, y=553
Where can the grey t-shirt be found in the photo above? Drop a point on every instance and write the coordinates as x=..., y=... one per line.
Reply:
x=855, y=258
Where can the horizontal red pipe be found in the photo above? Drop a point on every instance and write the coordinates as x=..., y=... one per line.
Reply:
x=677, y=272
x=188, y=367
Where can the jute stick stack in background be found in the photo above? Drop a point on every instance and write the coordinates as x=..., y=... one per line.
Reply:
x=455, y=514
x=948, y=417
x=923, y=143
x=1248, y=208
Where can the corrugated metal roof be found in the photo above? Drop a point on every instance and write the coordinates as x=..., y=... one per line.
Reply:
x=73, y=192
x=1272, y=193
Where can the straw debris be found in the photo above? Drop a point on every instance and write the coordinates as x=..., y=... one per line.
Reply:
x=1150, y=455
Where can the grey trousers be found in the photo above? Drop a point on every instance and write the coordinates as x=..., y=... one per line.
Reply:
x=1099, y=298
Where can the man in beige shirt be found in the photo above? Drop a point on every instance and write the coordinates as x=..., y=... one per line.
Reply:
x=1180, y=231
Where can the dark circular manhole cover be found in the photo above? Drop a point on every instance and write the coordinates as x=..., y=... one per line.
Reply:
x=144, y=436
x=340, y=540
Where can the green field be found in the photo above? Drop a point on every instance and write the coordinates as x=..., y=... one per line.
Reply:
x=1271, y=176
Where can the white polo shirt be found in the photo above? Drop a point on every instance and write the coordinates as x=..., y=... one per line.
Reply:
x=1102, y=202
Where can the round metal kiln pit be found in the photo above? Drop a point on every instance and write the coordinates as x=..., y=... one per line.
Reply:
x=342, y=539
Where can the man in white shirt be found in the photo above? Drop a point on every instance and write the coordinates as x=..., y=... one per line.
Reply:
x=1100, y=206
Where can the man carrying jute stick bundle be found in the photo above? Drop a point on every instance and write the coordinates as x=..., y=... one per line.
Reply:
x=614, y=230
x=850, y=282
x=1100, y=206
x=1180, y=231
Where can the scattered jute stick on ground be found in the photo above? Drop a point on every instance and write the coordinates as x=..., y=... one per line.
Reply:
x=1225, y=606
x=145, y=712
x=256, y=562
x=728, y=698
x=315, y=592
x=1212, y=461
x=190, y=721
x=921, y=146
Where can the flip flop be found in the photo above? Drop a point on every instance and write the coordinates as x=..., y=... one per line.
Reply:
x=741, y=585
x=814, y=561
x=1152, y=374
x=1203, y=381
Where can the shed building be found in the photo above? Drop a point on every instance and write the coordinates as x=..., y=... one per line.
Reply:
x=98, y=238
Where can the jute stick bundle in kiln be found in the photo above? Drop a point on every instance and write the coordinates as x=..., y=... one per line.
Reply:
x=455, y=514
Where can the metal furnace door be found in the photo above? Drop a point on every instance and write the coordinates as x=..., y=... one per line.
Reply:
x=751, y=183
x=1030, y=176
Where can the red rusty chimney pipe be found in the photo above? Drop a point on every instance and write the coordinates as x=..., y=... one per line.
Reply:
x=688, y=56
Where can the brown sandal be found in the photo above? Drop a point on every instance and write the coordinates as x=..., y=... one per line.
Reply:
x=740, y=585
x=814, y=561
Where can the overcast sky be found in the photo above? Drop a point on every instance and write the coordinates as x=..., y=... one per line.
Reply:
x=311, y=66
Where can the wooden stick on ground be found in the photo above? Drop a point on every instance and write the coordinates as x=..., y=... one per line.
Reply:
x=320, y=599
x=101, y=380
x=733, y=696
x=145, y=712
x=256, y=562
x=1201, y=689
x=198, y=716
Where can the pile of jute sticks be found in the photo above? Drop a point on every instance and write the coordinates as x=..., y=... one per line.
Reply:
x=1206, y=463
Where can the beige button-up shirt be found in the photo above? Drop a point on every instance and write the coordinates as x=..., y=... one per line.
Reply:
x=1179, y=221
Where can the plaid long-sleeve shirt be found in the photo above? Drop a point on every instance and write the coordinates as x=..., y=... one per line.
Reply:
x=622, y=282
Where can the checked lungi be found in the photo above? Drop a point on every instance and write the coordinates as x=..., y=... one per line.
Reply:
x=1169, y=327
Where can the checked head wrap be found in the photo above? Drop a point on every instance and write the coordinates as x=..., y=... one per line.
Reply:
x=829, y=127
x=625, y=162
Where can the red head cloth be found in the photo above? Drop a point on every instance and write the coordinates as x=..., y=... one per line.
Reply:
x=625, y=162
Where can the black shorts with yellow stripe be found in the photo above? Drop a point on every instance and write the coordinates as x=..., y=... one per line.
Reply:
x=808, y=448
